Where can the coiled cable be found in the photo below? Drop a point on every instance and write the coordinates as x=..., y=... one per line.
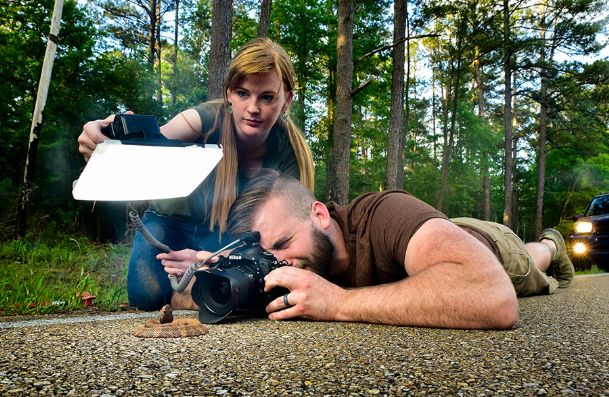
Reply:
x=179, y=286
x=135, y=218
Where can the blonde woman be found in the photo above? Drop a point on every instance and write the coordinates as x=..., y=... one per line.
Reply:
x=253, y=125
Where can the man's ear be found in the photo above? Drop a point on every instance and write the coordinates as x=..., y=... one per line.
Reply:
x=321, y=215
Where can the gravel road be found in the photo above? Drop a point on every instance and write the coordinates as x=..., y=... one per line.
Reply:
x=560, y=347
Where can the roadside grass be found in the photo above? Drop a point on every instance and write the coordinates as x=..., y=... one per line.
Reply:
x=51, y=275
x=594, y=269
x=39, y=277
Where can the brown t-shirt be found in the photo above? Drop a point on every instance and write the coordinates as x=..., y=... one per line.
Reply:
x=377, y=228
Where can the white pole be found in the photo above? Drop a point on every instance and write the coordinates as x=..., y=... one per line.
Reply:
x=47, y=68
x=41, y=99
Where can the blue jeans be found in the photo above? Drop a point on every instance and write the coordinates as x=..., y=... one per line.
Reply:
x=148, y=286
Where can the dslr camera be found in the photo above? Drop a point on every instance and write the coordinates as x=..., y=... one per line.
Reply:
x=236, y=283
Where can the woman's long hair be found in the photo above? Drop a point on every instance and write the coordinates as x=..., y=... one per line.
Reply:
x=257, y=56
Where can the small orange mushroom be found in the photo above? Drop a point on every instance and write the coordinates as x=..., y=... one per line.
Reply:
x=87, y=298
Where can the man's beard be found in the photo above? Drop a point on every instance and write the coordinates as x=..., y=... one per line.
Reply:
x=321, y=257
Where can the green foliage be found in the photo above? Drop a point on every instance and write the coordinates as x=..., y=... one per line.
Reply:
x=102, y=66
x=301, y=28
x=423, y=177
x=43, y=277
x=244, y=26
x=590, y=178
x=122, y=83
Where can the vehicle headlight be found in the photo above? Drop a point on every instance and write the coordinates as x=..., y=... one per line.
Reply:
x=580, y=248
x=583, y=227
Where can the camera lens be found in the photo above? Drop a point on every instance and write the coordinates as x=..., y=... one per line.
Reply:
x=220, y=293
x=236, y=284
x=213, y=294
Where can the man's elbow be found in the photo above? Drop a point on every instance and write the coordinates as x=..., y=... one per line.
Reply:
x=505, y=309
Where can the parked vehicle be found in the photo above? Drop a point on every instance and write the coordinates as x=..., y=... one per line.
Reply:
x=589, y=243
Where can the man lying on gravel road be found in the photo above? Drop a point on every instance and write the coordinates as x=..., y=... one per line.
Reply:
x=389, y=258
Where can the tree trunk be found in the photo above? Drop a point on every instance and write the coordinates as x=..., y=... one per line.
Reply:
x=341, y=148
x=41, y=99
x=219, y=57
x=299, y=117
x=515, y=218
x=411, y=110
x=331, y=98
x=507, y=116
x=152, y=9
x=484, y=169
x=450, y=142
x=543, y=124
x=159, y=96
x=402, y=147
x=396, y=121
x=176, y=39
x=433, y=109
x=446, y=95
x=515, y=138
x=265, y=16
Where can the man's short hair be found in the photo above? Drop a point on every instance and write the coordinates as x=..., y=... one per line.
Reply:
x=266, y=184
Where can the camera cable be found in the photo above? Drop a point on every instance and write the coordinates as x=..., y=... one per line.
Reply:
x=135, y=218
x=179, y=286
x=244, y=239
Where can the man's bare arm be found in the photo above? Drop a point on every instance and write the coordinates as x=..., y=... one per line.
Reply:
x=454, y=282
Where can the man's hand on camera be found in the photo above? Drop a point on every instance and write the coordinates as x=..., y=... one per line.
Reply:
x=311, y=296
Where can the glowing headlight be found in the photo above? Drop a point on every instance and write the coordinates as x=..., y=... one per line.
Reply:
x=579, y=248
x=583, y=227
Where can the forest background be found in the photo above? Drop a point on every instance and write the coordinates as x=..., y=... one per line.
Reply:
x=495, y=110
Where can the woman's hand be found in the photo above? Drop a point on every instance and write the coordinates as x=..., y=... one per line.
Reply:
x=91, y=135
x=177, y=262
